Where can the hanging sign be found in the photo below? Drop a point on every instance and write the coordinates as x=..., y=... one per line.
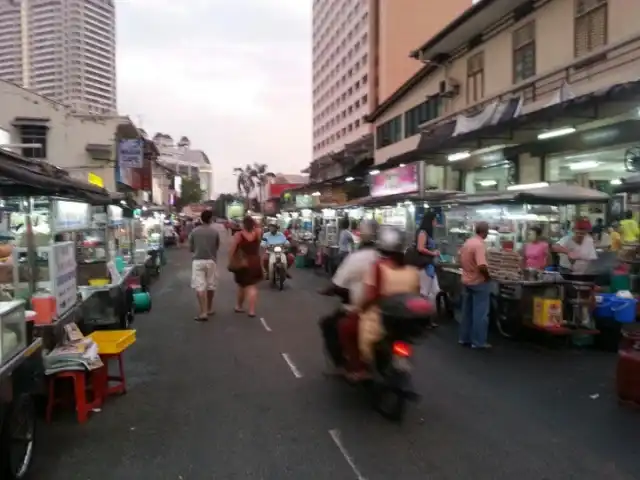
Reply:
x=115, y=215
x=69, y=216
x=131, y=153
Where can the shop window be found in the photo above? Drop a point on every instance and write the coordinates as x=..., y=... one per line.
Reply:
x=389, y=132
x=420, y=114
x=475, y=78
x=524, y=53
x=590, y=26
x=36, y=135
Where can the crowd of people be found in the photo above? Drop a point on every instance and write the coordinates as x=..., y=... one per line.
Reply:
x=380, y=266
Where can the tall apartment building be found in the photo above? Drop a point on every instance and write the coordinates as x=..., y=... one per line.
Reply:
x=62, y=49
x=361, y=55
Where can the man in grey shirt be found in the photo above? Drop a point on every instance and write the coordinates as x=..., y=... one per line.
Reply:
x=204, y=242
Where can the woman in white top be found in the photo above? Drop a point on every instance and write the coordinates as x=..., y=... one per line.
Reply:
x=577, y=250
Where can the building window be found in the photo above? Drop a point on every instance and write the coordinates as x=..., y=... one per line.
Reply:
x=524, y=53
x=420, y=114
x=389, y=132
x=590, y=26
x=475, y=78
x=34, y=135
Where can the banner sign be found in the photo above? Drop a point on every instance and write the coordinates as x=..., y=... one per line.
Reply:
x=395, y=181
x=131, y=153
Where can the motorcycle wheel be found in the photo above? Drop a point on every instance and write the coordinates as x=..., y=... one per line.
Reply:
x=18, y=439
x=390, y=403
x=283, y=277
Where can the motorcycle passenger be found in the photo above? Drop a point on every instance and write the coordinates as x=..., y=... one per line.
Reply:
x=274, y=237
x=388, y=276
x=348, y=284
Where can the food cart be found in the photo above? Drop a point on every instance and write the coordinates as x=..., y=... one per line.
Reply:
x=31, y=258
x=517, y=292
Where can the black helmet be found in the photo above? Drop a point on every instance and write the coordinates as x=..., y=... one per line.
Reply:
x=390, y=240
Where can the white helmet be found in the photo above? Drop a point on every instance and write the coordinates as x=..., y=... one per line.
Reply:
x=390, y=240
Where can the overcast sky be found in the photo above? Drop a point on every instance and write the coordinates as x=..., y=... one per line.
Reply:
x=232, y=75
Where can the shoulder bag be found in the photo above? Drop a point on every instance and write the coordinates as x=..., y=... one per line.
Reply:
x=238, y=260
x=413, y=257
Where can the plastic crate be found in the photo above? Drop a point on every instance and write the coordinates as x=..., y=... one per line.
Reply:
x=113, y=342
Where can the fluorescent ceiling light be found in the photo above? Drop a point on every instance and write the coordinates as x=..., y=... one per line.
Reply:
x=402, y=165
x=374, y=172
x=348, y=179
x=494, y=148
x=556, y=133
x=487, y=183
x=315, y=194
x=583, y=165
x=616, y=181
x=528, y=186
x=454, y=157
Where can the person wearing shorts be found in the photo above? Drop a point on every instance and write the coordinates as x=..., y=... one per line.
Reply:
x=204, y=242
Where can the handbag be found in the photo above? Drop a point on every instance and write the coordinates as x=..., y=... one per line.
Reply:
x=413, y=257
x=238, y=261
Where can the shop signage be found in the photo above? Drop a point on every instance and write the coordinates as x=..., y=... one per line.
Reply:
x=115, y=214
x=131, y=153
x=70, y=216
x=395, y=181
x=304, y=201
x=65, y=288
x=96, y=180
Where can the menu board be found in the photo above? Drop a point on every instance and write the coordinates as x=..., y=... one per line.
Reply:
x=65, y=289
x=68, y=216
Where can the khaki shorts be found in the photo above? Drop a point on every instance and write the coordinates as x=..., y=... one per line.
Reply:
x=204, y=275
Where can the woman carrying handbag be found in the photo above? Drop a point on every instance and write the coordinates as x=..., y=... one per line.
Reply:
x=244, y=263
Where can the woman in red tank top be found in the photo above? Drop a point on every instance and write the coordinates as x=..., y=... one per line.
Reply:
x=248, y=241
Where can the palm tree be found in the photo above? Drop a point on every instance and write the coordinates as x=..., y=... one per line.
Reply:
x=251, y=177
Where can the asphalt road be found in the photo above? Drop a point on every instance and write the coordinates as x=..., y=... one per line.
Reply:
x=245, y=398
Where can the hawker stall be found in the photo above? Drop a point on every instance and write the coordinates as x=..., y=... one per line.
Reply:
x=556, y=302
x=38, y=283
x=152, y=220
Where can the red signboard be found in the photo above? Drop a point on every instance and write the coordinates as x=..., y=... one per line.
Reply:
x=276, y=189
x=397, y=180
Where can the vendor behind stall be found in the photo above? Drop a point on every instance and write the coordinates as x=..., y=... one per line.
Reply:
x=629, y=228
x=536, y=251
x=577, y=250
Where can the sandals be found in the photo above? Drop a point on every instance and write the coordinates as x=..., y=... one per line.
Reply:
x=201, y=319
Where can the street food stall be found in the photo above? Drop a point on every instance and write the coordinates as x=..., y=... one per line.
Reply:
x=557, y=303
x=32, y=259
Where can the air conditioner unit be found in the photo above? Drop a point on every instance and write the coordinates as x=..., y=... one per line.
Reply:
x=449, y=88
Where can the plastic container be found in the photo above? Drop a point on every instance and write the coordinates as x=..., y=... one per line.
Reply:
x=604, y=302
x=44, y=305
x=620, y=282
x=624, y=310
x=99, y=282
x=113, y=342
x=120, y=264
x=142, y=302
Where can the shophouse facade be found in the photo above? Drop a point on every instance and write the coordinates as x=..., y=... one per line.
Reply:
x=514, y=61
x=54, y=133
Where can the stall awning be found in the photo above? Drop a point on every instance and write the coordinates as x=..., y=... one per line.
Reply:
x=513, y=128
x=553, y=194
x=427, y=196
x=20, y=176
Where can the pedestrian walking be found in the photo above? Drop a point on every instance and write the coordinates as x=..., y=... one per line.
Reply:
x=204, y=242
x=477, y=290
x=245, y=264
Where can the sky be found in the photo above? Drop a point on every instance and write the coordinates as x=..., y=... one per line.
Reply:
x=233, y=76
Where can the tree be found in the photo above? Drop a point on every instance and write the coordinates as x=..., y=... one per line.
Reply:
x=252, y=181
x=191, y=193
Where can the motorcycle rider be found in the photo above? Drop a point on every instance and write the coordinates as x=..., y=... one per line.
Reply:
x=274, y=237
x=348, y=284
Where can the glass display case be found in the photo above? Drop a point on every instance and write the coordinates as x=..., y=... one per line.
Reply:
x=14, y=329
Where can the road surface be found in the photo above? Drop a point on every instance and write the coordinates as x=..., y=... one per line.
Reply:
x=245, y=398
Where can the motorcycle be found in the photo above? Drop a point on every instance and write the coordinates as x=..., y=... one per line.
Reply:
x=405, y=318
x=277, y=273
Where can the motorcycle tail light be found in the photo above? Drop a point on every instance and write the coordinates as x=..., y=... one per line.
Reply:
x=401, y=349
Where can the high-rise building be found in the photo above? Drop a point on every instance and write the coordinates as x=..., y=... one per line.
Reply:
x=361, y=55
x=62, y=49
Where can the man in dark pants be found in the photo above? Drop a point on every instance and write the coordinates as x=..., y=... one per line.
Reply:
x=348, y=284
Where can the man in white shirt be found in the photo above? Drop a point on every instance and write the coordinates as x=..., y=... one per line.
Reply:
x=348, y=281
x=577, y=250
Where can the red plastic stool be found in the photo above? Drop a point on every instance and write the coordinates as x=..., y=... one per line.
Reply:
x=80, y=386
x=104, y=378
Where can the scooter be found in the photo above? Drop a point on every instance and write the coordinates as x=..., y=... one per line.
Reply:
x=405, y=318
x=277, y=273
